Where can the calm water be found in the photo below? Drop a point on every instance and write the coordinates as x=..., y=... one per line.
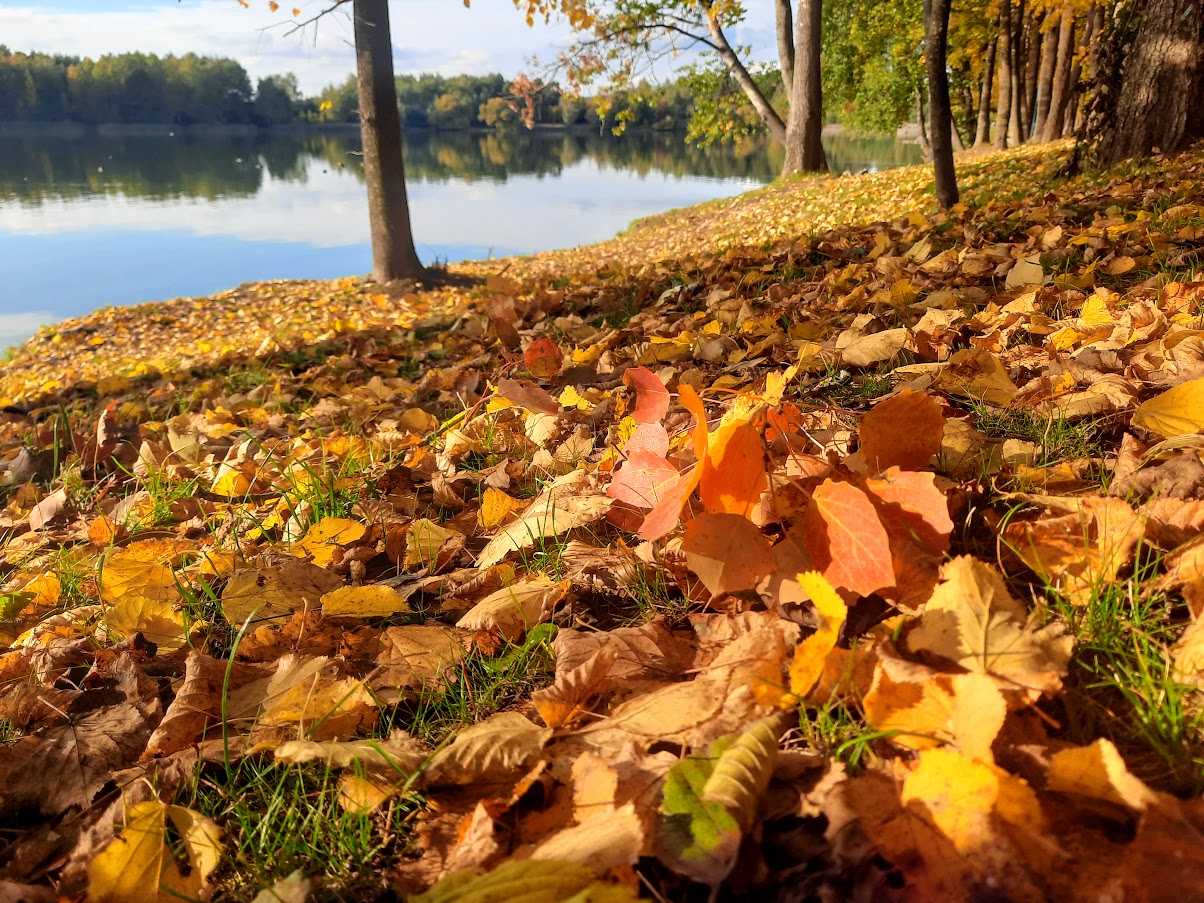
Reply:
x=96, y=220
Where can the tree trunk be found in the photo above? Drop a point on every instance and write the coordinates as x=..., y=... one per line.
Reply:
x=1161, y=100
x=1060, y=86
x=1004, y=82
x=743, y=78
x=785, y=30
x=982, y=134
x=393, y=253
x=922, y=120
x=1091, y=36
x=936, y=44
x=804, y=129
x=1015, y=133
x=1045, y=80
x=1032, y=73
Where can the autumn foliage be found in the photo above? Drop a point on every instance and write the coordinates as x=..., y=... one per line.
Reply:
x=811, y=558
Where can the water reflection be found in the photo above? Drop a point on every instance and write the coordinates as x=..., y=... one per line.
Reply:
x=90, y=219
x=166, y=165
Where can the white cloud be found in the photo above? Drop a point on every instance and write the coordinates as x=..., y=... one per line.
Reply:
x=439, y=35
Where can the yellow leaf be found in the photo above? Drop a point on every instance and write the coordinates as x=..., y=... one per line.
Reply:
x=1176, y=412
x=1026, y=271
x=964, y=798
x=1097, y=771
x=139, y=866
x=323, y=538
x=496, y=508
x=157, y=620
x=423, y=542
x=363, y=602
x=809, y=657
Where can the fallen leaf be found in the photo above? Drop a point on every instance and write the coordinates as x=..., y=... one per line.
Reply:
x=727, y=552
x=1176, y=412
x=903, y=431
x=373, y=601
x=515, y=609
x=847, y=541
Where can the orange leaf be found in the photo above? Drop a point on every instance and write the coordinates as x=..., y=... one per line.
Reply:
x=905, y=430
x=543, y=358
x=651, y=396
x=733, y=471
x=846, y=539
x=727, y=552
x=649, y=437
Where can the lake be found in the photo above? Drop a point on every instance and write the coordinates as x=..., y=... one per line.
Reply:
x=100, y=219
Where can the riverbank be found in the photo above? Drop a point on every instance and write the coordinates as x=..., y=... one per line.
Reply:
x=810, y=537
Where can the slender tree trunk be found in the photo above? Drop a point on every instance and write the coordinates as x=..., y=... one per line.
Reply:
x=1061, y=81
x=922, y=119
x=804, y=129
x=1032, y=67
x=743, y=78
x=785, y=30
x=936, y=44
x=1089, y=51
x=1161, y=99
x=1049, y=57
x=1004, y=82
x=393, y=253
x=1015, y=133
x=982, y=134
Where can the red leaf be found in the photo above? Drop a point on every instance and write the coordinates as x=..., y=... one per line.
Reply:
x=664, y=516
x=651, y=396
x=847, y=540
x=916, y=516
x=543, y=358
x=643, y=479
x=649, y=437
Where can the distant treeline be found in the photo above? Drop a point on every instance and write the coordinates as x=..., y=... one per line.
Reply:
x=191, y=89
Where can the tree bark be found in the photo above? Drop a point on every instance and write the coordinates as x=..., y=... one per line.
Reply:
x=393, y=253
x=1060, y=86
x=785, y=30
x=1161, y=100
x=982, y=134
x=1004, y=82
x=1091, y=35
x=1036, y=41
x=1015, y=133
x=743, y=78
x=804, y=129
x=936, y=49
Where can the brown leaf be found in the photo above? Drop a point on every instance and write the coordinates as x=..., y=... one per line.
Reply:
x=903, y=431
x=727, y=552
x=488, y=751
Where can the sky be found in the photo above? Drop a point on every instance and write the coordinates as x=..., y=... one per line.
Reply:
x=439, y=36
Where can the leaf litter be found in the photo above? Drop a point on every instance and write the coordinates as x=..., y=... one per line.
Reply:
x=770, y=545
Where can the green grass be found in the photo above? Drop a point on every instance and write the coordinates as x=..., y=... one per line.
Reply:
x=1121, y=683
x=279, y=818
x=1058, y=438
x=481, y=686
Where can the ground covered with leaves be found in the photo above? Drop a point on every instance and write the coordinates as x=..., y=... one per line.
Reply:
x=811, y=545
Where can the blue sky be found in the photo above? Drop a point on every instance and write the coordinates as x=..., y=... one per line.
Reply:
x=428, y=35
